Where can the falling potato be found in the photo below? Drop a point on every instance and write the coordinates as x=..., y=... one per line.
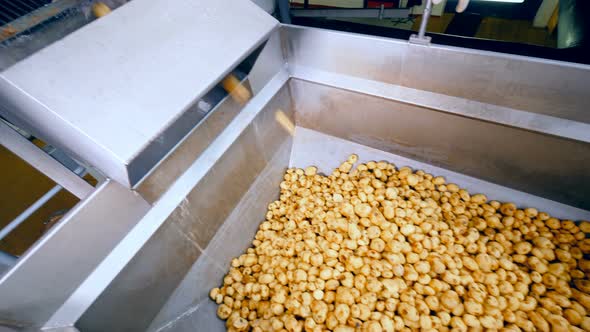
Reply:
x=100, y=9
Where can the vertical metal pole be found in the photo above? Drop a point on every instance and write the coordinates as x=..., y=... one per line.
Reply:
x=284, y=11
x=425, y=18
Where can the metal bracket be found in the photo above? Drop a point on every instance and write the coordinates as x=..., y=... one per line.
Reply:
x=415, y=39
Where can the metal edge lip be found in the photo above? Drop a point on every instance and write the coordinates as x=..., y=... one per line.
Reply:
x=354, y=12
x=288, y=27
x=564, y=128
x=575, y=65
x=509, y=56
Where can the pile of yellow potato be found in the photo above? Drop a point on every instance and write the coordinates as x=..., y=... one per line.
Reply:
x=377, y=248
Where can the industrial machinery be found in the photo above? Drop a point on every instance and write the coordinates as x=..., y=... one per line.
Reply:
x=188, y=178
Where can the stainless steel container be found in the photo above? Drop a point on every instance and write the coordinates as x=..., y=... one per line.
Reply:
x=514, y=128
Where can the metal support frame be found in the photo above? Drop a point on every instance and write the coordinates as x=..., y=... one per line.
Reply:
x=35, y=206
x=42, y=161
x=29, y=211
x=34, y=156
x=421, y=38
x=425, y=19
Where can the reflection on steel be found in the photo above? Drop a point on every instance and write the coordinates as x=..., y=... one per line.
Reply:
x=574, y=29
x=285, y=122
x=379, y=13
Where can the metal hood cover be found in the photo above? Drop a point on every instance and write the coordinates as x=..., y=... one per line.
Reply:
x=111, y=92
